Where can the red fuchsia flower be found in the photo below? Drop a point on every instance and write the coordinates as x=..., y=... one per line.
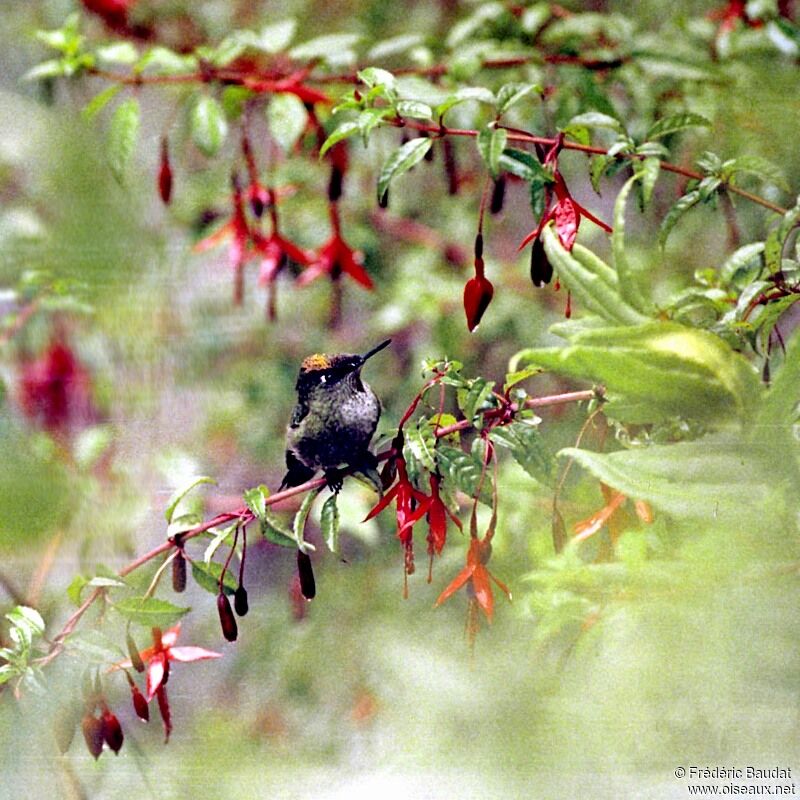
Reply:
x=165, y=174
x=55, y=389
x=335, y=258
x=567, y=214
x=438, y=512
x=477, y=578
x=411, y=506
x=728, y=16
x=611, y=514
x=478, y=291
x=275, y=250
x=156, y=658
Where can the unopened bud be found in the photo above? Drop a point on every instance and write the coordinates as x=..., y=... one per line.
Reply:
x=240, y=604
x=112, y=731
x=308, y=587
x=179, y=572
x=230, y=629
x=498, y=195
x=92, y=728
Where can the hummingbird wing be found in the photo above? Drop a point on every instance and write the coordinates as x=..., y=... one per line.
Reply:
x=298, y=415
x=297, y=472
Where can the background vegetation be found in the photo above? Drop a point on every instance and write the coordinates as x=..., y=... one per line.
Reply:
x=658, y=634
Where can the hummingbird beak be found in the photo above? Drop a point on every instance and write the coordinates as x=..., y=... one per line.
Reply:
x=372, y=352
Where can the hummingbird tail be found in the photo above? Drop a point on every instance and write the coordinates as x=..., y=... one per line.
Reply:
x=297, y=473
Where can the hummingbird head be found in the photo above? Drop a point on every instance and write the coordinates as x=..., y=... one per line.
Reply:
x=326, y=370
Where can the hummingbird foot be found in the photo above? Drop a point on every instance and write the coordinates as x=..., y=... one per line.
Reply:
x=334, y=478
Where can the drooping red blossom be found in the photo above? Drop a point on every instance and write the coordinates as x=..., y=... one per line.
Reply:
x=478, y=578
x=274, y=251
x=567, y=214
x=163, y=709
x=158, y=657
x=113, y=12
x=730, y=14
x=165, y=174
x=478, y=291
x=230, y=630
x=438, y=512
x=611, y=515
x=55, y=389
x=411, y=506
x=111, y=730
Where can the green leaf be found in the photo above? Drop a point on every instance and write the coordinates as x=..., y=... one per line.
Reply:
x=394, y=46
x=421, y=443
x=779, y=409
x=207, y=576
x=523, y=164
x=163, y=61
x=402, y=160
x=275, y=38
x=674, y=123
x=287, y=118
x=182, y=491
x=594, y=119
x=329, y=523
x=300, y=518
x=219, y=536
x=475, y=398
x=648, y=170
x=463, y=470
x=758, y=166
x=773, y=247
x=208, y=125
x=716, y=479
x=657, y=371
x=99, y=101
x=149, y=611
x=28, y=618
x=479, y=93
x=491, y=143
x=678, y=209
x=513, y=378
x=343, y=131
x=739, y=260
x=52, y=68
x=331, y=47
x=591, y=280
x=511, y=93
x=628, y=283
x=118, y=53
x=375, y=76
x=75, y=589
x=413, y=109
x=122, y=135
x=526, y=445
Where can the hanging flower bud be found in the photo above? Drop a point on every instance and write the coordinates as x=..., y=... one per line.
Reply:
x=163, y=707
x=240, y=603
x=339, y=163
x=478, y=294
x=450, y=167
x=541, y=268
x=165, y=174
x=179, y=571
x=230, y=630
x=498, y=195
x=335, y=185
x=383, y=200
x=92, y=728
x=112, y=730
x=133, y=654
x=308, y=587
x=139, y=703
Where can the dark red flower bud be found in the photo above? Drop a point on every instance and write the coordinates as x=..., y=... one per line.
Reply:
x=450, y=167
x=383, y=200
x=165, y=174
x=479, y=247
x=240, y=603
x=498, y=195
x=478, y=294
x=140, y=703
x=179, y=572
x=133, y=654
x=541, y=268
x=163, y=707
x=335, y=184
x=112, y=731
x=308, y=586
x=92, y=728
x=230, y=629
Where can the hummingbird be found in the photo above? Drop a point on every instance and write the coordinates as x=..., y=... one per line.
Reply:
x=334, y=419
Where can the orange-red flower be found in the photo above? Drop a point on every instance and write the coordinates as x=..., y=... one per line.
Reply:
x=611, y=514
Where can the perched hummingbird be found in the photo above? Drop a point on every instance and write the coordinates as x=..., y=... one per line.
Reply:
x=334, y=419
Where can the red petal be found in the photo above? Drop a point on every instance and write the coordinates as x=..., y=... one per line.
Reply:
x=455, y=584
x=297, y=254
x=312, y=273
x=163, y=707
x=167, y=639
x=354, y=269
x=215, y=239
x=155, y=675
x=383, y=502
x=567, y=222
x=483, y=590
x=437, y=521
x=588, y=214
x=186, y=654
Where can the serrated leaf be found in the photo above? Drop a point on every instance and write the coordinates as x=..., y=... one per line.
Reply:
x=329, y=523
x=28, y=618
x=343, y=131
x=149, y=611
x=99, y=101
x=477, y=395
x=325, y=47
x=491, y=143
x=122, y=134
x=593, y=283
x=375, y=76
x=674, y=123
x=739, y=259
x=510, y=94
x=678, y=209
x=627, y=280
x=219, y=537
x=182, y=491
x=478, y=93
x=207, y=576
x=658, y=370
x=758, y=166
x=402, y=160
x=526, y=445
x=299, y=524
x=287, y=119
x=648, y=170
x=209, y=128
x=594, y=119
x=413, y=109
x=513, y=378
x=421, y=443
x=523, y=164
x=464, y=470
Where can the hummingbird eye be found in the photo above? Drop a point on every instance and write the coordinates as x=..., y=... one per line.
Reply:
x=323, y=378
